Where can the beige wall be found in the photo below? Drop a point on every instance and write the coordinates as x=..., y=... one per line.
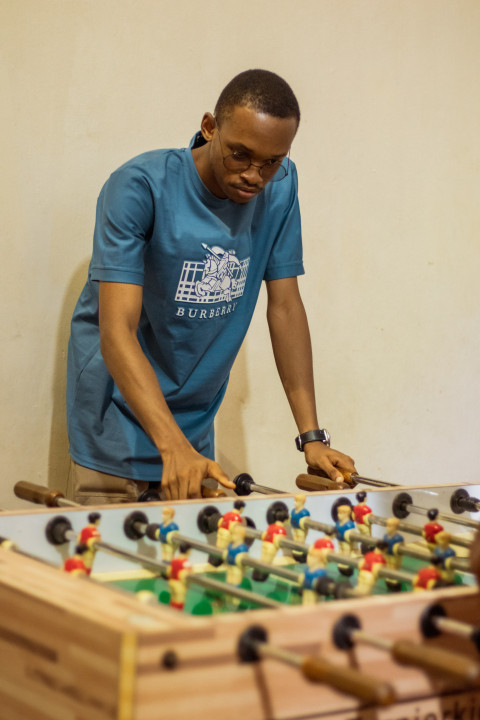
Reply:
x=389, y=162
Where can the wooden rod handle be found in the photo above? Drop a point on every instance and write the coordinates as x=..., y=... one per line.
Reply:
x=37, y=493
x=349, y=681
x=348, y=477
x=459, y=668
x=41, y=495
x=316, y=483
x=212, y=493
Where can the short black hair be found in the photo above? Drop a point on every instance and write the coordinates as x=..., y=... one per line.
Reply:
x=262, y=90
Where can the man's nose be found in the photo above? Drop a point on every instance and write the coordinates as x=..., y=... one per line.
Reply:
x=252, y=175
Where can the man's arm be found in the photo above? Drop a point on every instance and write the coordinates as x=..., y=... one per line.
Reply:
x=183, y=467
x=292, y=349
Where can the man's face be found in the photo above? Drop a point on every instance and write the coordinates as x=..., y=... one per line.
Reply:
x=260, y=137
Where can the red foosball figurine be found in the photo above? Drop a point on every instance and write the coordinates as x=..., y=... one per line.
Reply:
x=361, y=514
x=178, y=573
x=226, y=523
x=75, y=565
x=271, y=537
x=429, y=577
x=89, y=536
x=431, y=528
x=372, y=561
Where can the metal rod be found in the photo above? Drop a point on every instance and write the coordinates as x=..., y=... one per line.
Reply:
x=475, y=524
x=290, y=658
x=277, y=570
x=373, y=640
x=389, y=574
x=370, y=481
x=233, y=590
x=265, y=490
x=454, y=627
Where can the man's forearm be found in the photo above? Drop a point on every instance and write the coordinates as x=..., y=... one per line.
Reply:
x=138, y=383
x=292, y=349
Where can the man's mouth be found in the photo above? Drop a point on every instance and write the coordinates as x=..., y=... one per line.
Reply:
x=247, y=190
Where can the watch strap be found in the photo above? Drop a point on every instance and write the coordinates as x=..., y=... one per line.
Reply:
x=312, y=436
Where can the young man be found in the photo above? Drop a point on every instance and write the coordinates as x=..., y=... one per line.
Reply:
x=183, y=240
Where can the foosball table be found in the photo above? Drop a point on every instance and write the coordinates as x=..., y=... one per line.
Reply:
x=347, y=605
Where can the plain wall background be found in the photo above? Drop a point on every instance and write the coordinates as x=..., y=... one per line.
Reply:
x=389, y=163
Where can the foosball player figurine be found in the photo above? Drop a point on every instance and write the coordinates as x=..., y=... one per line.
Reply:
x=373, y=560
x=445, y=552
x=163, y=531
x=227, y=522
x=393, y=540
x=272, y=535
x=89, y=536
x=75, y=565
x=428, y=577
x=361, y=514
x=343, y=526
x=297, y=515
x=431, y=528
x=233, y=554
x=316, y=564
x=178, y=573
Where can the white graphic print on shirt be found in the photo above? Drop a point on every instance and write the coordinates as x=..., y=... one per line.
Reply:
x=220, y=277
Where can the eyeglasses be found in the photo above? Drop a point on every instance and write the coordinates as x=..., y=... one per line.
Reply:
x=239, y=161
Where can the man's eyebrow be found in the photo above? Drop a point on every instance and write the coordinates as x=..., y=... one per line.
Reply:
x=241, y=146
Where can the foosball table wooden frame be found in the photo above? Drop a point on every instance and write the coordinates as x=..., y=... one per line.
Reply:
x=75, y=649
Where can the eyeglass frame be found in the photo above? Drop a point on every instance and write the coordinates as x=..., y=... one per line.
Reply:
x=259, y=167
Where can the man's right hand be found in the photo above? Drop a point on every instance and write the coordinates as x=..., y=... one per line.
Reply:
x=183, y=473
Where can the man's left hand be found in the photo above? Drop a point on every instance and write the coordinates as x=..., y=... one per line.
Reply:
x=329, y=461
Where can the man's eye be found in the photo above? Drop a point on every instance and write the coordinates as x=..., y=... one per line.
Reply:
x=272, y=163
x=240, y=156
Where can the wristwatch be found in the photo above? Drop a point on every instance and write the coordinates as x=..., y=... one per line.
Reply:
x=312, y=436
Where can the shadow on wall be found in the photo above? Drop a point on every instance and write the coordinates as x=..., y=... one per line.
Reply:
x=58, y=458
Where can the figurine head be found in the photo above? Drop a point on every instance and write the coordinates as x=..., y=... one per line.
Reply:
x=299, y=501
x=168, y=513
x=392, y=526
x=94, y=518
x=239, y=506
x=344, y=512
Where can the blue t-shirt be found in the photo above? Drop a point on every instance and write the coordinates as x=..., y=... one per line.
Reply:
x=201, y=261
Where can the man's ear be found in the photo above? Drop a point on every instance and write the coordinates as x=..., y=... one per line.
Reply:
x=207, y=126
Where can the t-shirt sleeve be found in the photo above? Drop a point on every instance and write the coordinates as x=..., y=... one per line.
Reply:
x=123, y=225
x=286, y=256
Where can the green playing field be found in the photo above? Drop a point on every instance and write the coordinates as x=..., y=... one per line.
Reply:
x=200, y=601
